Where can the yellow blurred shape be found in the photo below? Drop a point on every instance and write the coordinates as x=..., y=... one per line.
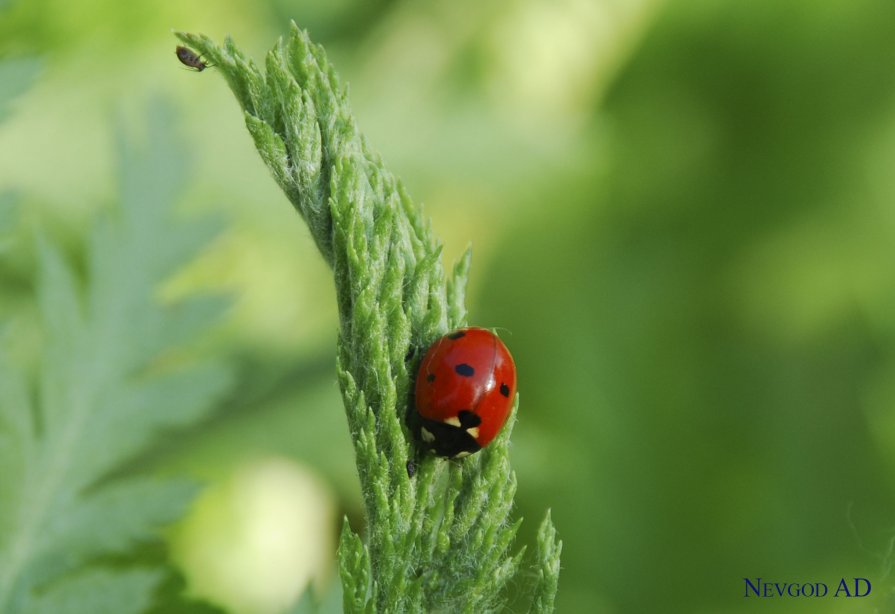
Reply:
x=556, y=56
x=254, y=542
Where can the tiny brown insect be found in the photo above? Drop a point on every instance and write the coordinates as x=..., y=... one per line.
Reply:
x=190, y=58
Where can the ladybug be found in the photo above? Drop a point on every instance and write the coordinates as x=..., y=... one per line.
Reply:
x=464, y=392
x=190, y=58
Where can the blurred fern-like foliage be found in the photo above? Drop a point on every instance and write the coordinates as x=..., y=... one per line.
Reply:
x=441, y=540
x=111, y=378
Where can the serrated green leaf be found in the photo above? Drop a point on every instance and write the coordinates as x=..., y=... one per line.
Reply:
x=17, y=441
x=549, y=549
x=105, y=391
x=97, y=592
x=354, y=569
x=106, y=522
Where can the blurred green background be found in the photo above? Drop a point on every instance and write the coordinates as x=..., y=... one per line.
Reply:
x=682, y=219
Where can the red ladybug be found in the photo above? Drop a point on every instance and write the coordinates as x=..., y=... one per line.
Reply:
x=464, y=392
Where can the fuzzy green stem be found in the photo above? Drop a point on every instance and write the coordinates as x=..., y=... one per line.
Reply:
x=441, y=540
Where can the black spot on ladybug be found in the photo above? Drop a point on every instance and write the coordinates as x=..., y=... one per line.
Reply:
x=190, y=58
x=430, y=377
x=505, y=390
x=469, y=419
x=456, y=335
x=464, y=369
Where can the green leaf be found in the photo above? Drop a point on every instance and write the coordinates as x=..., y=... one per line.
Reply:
x=549, y=548
x=354, y=569
x=98, y=592
x=442, y=540
x=105, y=390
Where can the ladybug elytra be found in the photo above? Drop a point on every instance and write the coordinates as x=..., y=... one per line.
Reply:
x=464, y=392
